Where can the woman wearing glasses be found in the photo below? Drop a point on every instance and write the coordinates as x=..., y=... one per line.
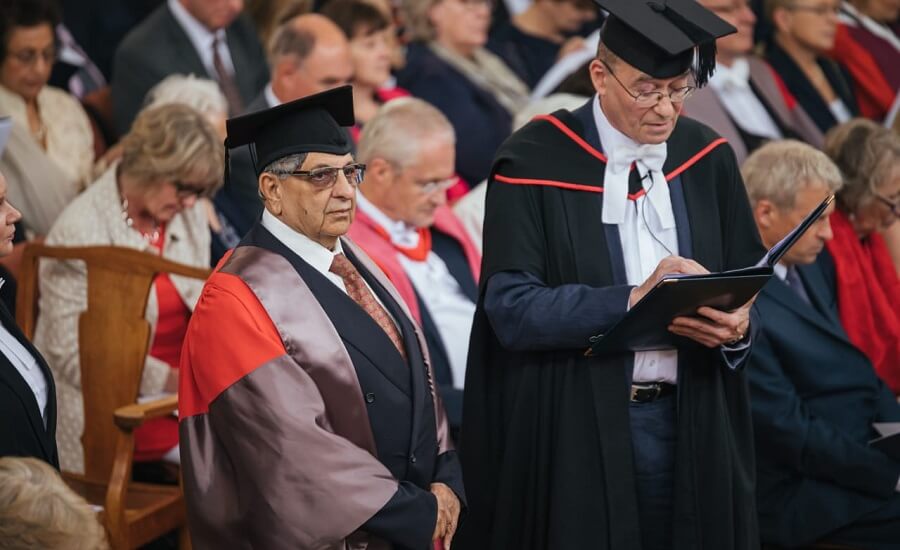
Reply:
x=50, y=153
x=146, y=201
x=804, y=30
x=868, y=288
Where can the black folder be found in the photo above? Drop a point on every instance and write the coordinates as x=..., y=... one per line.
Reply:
x=645, y=326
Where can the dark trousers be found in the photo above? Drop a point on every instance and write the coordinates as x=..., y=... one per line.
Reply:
x=653, y=439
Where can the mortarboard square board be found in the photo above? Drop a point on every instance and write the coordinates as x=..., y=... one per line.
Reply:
x=658, y=37
x=309, y=124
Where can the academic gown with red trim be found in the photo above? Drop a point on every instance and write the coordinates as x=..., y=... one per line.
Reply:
x=545, y=444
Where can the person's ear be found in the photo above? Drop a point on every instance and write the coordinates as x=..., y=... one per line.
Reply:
x=781, y=19
x=766, y=213
x=598, y=76
x=380, y=171
x=270, y=189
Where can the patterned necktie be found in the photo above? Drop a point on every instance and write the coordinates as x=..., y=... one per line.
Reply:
x=226, y=82
x=360, y=293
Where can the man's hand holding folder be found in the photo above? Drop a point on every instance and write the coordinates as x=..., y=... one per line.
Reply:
x=683, y=299
x=711, y=327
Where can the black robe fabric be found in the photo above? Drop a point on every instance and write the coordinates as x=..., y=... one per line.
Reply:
x=546, y=446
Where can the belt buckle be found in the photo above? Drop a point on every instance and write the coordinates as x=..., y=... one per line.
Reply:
x=655, y=388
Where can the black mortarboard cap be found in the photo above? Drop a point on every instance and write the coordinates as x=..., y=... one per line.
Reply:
x=658, y=37
x=309, y=124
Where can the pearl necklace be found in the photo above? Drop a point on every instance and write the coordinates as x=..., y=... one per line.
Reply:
x=152, y=238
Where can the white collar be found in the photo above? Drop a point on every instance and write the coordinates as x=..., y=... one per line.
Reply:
x=781, y=271
x=400, y=233
x=735, y=76
x=271, y=99
x=309, y=250
x=200, y=35
x=621, y=151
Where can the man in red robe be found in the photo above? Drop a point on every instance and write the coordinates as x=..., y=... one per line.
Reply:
x=309, y=417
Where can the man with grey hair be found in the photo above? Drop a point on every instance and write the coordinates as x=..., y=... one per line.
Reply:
x=404, y=223
x=307, y=54
x=814, y=395
x=309, y=417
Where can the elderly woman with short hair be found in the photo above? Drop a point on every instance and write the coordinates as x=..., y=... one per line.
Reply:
x=868, y=288
x=147, y=201
x=448, y=66
x=50, y=152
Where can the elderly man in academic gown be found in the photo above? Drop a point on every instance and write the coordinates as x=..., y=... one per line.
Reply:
x=586, y=211
x=309, y=416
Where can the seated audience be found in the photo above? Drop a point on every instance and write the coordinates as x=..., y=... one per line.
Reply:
x=38, y=510
x=202, y=95
x=868, y=288
x=403, y=223
x=50, y=152
x=308, y=54
x=370, y=46
x=208, y=38
x=814, y=394
x=803, y=31
x=869, y=48
x=147, y=201
x=27, y=393
x=448, y=66
x=532, y=41
x=744, y=101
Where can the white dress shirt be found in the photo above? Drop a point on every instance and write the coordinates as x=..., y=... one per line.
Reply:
x=311, y=252
x=642, y=252
x=271, y=99
x=732, y=87
x=27, y=367
x=451, y=310
x=202, y=39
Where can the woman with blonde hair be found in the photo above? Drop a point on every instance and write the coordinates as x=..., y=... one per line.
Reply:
x=38, y=510
x=147, y=201
x=868, y=288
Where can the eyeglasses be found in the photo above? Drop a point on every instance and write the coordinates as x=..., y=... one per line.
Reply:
x=326, y=177
x=650, y=99
x=821, y=10
x=186, y=190
x=894, y=206
x=430, y=187
x=30, y=56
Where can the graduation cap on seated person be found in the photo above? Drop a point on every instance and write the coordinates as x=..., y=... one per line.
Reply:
x=306, y=125
x=658, y=37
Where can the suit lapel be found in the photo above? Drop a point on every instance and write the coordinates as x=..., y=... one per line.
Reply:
x=20, y=387
x=179, y=42
x=779, y=292
x=355, y=327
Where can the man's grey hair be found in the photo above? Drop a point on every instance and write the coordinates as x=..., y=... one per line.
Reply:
x=284, y=166
x=398, y=128
x=287, y=40
x=201, y=94
x=779, y=170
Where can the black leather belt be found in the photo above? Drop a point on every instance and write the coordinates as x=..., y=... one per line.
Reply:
x=644, y=393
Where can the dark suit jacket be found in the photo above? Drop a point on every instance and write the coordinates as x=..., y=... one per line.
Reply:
x=814, y=398
x=22, y=431
x=481, y=124
x=159, y=47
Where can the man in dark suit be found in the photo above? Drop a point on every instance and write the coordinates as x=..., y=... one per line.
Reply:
x=814, y=395
x=308, y=54
x=207, y=38
x=27, y=392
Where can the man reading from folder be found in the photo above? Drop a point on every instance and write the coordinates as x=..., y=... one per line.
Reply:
x=586, y=211
x=815, y=395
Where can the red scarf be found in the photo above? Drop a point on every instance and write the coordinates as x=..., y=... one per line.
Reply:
x=417, y=253
x=868, y=292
